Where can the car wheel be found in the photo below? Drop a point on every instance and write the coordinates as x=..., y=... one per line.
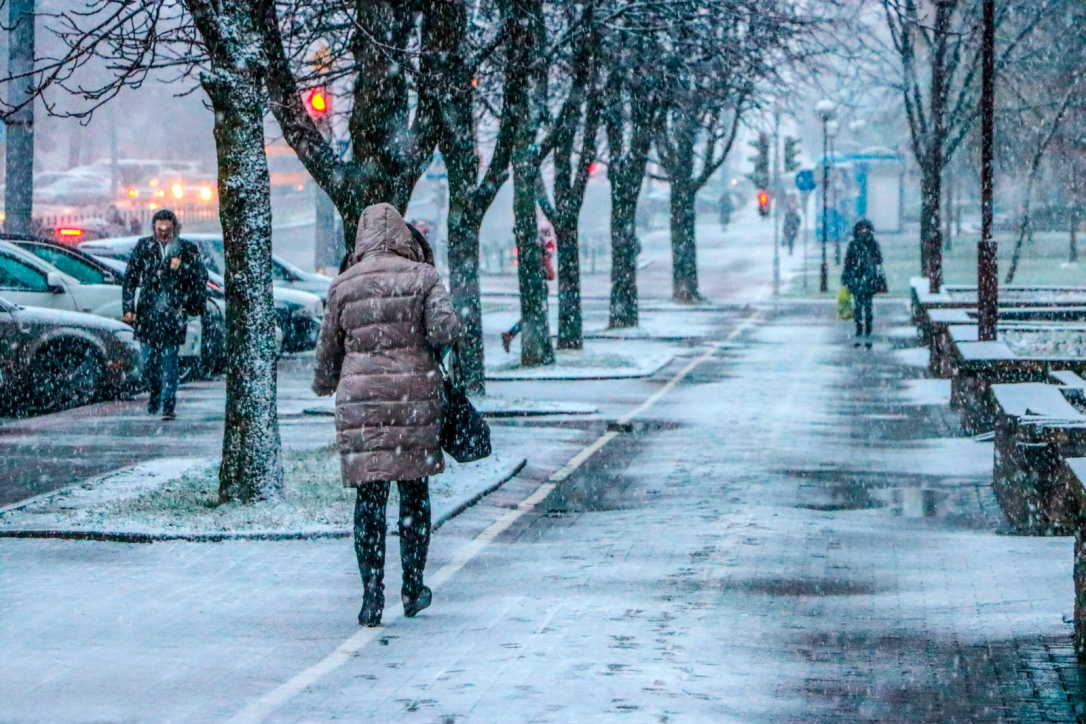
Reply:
x=67, y=375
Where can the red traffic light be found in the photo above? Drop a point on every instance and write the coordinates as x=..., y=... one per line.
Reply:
x=763, y=202
x=593, y=168
x=317, y=103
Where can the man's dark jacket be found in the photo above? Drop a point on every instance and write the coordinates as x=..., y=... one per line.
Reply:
x=173, y=287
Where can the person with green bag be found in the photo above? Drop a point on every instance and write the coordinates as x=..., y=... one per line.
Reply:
x=863, y=277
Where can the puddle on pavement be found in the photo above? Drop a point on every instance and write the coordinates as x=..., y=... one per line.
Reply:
x=838, y=490
x=800, y=587
x=904, y=502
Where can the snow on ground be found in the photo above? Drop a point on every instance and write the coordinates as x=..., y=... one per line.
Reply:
x=913, y=357
x=927, y=391
x=600, y=359
x=179, y=496
x=674, y=325
x=490, y=406
x=1063, y=341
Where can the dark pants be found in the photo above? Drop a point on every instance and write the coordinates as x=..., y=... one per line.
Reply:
x=414, y=528
x=161, y=371
x=861, y=311
x=515, y=329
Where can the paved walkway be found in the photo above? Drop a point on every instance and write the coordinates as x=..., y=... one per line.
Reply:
x=789, y=535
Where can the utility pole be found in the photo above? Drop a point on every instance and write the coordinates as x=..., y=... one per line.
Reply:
x=825, y=110
x=987, y=272
x=19, y=194
x=776, y=200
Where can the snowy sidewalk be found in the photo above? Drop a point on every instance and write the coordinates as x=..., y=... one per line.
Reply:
x=791, y=534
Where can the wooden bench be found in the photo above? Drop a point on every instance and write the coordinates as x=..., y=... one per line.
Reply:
x=1036, y=427
x=976, y=366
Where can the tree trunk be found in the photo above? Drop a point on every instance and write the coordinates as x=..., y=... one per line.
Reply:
x=570, y=322
x=684, y=253
x=948, y=214
x=535, y=346
x=464, y=286
x=624, y=251
x=931, y=242
x=252, y=465
x=1072, y=256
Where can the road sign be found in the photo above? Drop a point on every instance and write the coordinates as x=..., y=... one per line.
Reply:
x=805, y=180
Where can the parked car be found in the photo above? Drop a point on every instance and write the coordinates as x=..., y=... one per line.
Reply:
x=89, y=269
x=284, y=274
x=76, y=190
x=32, y=280
x=52, y=359
x=299, y=313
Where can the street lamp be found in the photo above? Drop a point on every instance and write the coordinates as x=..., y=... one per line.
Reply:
x=825, y=109
x=832, y=128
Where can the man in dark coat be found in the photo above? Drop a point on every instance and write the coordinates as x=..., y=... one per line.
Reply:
x=172, y=283
x=863, y=276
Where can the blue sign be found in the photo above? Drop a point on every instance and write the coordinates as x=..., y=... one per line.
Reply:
x=805, y=180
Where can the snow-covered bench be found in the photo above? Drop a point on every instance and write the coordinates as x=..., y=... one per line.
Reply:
x=1036, y=427
x=975, y=366
x=1075, y=474
x=1015, y=297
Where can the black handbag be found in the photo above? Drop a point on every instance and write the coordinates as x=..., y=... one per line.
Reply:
x=465, y=435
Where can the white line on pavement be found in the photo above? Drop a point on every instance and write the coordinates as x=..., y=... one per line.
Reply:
x=260, y=709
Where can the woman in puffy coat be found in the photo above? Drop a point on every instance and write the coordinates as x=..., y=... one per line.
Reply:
x=387, y=317
x=864, y=277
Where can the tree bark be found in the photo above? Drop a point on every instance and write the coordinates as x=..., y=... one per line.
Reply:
x=535, y=346
x=1072, y=256
x=624, y=251
x=570, y=321
x=464, y=224
x=252, y=466
x=931, y=238
x=684, y=259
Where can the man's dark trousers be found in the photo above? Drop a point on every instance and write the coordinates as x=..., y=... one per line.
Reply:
x=161, y=370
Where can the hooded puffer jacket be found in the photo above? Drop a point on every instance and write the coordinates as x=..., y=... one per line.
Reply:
x=387, y=313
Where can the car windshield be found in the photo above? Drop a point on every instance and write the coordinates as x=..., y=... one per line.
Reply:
x=70, y=264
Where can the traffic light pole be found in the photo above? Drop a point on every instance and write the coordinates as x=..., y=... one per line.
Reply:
x=824, y=274
x=775, y=199
x=19, y=193
x=987, y=272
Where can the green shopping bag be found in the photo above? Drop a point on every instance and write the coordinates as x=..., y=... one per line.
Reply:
x=844, y=303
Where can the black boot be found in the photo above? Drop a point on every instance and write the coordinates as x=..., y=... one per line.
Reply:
x=369, y=547
x=411, y=606
x=373, y=605
x=414, y=544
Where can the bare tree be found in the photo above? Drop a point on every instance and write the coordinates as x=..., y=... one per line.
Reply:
x=937, y=52
x=215, y=44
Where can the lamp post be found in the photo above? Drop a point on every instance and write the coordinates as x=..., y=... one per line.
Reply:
x=825, y=109
x=777, y=195
x=832, y=128
x=987, y=279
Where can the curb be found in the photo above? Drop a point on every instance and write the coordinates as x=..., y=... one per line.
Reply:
x=514, y=377
x=105, y=536
x=487, y=414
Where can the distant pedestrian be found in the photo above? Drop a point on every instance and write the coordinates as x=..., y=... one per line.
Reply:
x=172, y=283
x=387, y=318
x=791, y=223
x=549, y=248
x=726, y=207
x=864, y=277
